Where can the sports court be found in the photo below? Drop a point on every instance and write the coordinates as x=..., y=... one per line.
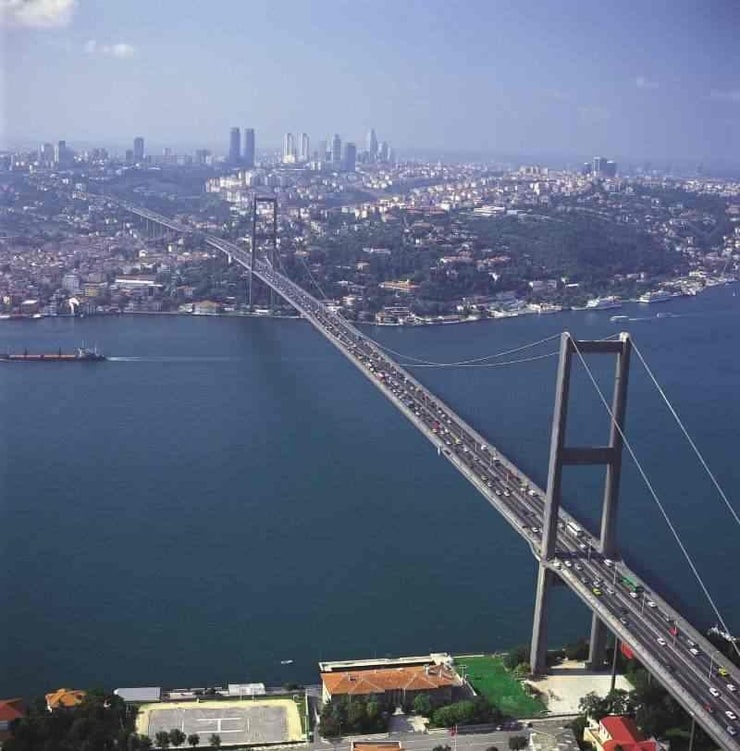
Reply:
x=246, y=722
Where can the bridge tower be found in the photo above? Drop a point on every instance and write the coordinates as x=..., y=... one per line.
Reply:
x=560, y=456
x=264, y=236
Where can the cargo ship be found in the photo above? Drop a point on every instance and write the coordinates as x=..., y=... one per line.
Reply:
x=82, y=354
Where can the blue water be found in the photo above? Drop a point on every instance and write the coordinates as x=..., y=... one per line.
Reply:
x=232, y=492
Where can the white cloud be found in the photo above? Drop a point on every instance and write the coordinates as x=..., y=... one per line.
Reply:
x=731, y=95
x=643, y=82
x=36, y=13
x=121, y=50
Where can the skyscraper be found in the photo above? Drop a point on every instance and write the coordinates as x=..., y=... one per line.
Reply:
x=305, y=148
x=235, y=146
x=288, y=149
x=138, y=149
x=61, y=154
x=372, y=144
x=336, y=149
x=350, y=157
x=249, y=148
x=384, y=152
x=599, y=164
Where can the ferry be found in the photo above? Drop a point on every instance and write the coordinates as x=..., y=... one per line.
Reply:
x=660, y=295
x=604, y=303
x=82, y=354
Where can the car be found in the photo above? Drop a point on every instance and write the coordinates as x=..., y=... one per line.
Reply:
x=578, y=567
x=634, y=595
x=557, y=564
x=598, y=581
x=597, y=591
x=691, y=643
x=709, y=708
x=713, y=691
x=609, y=591
x=536, y=530
x=694, y=651
x=662, y=641
x=729, y=713
x=731, y=730
x=651, y=604
x=568, y=564
x=584, y=580
x=582, y=546
x=731, y=688
x=723, y=672
x=608, y=562
x=623, y=620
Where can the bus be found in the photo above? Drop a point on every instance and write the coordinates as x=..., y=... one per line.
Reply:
x=631, y=584
x=574, y=529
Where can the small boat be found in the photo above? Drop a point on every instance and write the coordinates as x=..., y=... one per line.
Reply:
x=286, y=662
x=615, y=319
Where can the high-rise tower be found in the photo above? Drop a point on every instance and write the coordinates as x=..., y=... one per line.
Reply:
x=138, y=149
x=305, y=148
x=249, y=148
x=288, y=149
x=235, y=146
x=336, y=150
x=372, y=145
x=350, y=157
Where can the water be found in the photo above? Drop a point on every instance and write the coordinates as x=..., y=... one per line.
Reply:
x=228, y=493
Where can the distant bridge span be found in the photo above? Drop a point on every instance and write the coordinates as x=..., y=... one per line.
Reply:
x=666, y=643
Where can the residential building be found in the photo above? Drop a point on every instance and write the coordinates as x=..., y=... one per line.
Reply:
x=350, y=157
x=235, y=146
x=305, y=148
x=138, y=149
x=288, y=149
x=249, y=148
x=10, y=709
x=336, y=150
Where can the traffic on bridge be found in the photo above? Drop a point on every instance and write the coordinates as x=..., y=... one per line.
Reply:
x=704, y=682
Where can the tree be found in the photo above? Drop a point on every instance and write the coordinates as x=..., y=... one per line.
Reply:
x=145, y=742
x=193, y=740
x=177, y=737
x=442, y=748
x=517, y=742
x=492, y=748
x=422, y=705
x=215, y=741
x=516, y=656
x=162, y=739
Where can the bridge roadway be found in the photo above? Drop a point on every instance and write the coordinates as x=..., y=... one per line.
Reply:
x=686, y=663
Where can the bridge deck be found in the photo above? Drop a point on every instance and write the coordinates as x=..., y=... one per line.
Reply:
x=670, y=647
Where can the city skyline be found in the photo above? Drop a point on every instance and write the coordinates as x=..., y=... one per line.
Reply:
x=505, y=78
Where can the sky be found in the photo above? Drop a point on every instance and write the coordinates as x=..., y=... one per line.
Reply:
x=624, y=78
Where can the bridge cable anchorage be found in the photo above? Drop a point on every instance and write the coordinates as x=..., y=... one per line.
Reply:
x=650, y=487
x=487, y=364
x=693, y=445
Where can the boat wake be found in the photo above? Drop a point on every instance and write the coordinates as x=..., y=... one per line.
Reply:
x=173, y=359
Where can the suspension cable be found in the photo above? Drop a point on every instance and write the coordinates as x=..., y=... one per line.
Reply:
x=693, y=445
x=486, y=364
x=433, y=364
x=313, y=279
x=650, y=487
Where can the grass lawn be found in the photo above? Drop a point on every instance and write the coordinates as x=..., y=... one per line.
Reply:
x=489, y=677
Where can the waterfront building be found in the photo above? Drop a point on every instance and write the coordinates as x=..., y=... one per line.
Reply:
x=249, y=148
x=10, y=710
x=138, y=149
x=234, y=146
x=395, y=680
x=615, y=732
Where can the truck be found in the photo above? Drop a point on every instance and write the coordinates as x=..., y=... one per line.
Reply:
x=574, y=529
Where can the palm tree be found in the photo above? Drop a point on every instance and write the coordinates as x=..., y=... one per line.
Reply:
x=215, y=741
x=162, y=739
x=193, y=740
x=177, y=737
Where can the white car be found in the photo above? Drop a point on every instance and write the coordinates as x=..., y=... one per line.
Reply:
x=730, y=714
x=713, y=691
x=694, y=651
x=651, y=604
x=731, y=687
x=634, y=595
x=662, y=641
x=608, y=562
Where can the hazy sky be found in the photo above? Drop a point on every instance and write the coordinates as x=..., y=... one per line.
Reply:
x=636, y=78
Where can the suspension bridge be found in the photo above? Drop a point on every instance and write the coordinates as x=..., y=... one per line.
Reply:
x=694, y=672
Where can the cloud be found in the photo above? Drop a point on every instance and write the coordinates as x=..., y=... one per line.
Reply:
x=643, y=82
x=731, y=95
x=120, y=50
x=36, y=13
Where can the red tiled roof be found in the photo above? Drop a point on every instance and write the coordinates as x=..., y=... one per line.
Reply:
x=625, y=734
x=11, y=709
x=411, y=678
x=64, y=697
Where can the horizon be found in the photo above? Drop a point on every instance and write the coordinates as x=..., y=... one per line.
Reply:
x=505, y=78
